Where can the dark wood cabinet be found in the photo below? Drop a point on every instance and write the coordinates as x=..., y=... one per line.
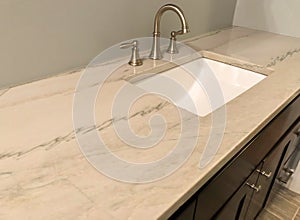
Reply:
x=241, y=188
x=247, y=202
x=186, y=212
x=237, y=206
x=267, y=175
x=285, y=172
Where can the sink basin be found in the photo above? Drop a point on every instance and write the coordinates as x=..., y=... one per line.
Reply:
x=201, y=86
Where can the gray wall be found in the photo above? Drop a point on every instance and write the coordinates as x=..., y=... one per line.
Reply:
x=276, y=16
x=46, y=37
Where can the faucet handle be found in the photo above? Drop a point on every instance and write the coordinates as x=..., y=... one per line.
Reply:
x=135, y=59
x=172, y=49
x=129, y=44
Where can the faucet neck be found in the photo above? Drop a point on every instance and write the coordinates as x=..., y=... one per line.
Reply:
x=155, y=53
x=177, y=10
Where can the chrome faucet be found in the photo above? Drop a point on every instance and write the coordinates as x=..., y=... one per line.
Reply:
x=155, y=52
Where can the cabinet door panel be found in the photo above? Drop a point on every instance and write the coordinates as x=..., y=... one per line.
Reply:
x=267, y=176
x=186, y=212
x=237, y=206
x=284, y=173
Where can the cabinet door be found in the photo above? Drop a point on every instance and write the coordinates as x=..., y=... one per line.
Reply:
x=237, y=206
x=285, y=171
x=267, y=176
x=186, y=212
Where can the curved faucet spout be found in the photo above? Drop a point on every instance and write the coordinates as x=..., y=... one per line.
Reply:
x=178, y=11
x=155, y=52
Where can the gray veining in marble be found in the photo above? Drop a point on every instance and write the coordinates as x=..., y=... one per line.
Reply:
x=43, y=170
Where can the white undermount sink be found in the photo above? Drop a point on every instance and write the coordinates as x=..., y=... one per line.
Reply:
x=201, y=86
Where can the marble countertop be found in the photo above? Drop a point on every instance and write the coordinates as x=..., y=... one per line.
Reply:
x=44, y=175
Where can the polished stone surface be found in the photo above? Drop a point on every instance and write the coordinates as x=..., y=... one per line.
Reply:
x=44, y=175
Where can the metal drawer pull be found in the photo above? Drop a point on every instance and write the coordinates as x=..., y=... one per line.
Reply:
x=252, y=186
x=289, y=171
x=286, y=174
x=264, y=173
